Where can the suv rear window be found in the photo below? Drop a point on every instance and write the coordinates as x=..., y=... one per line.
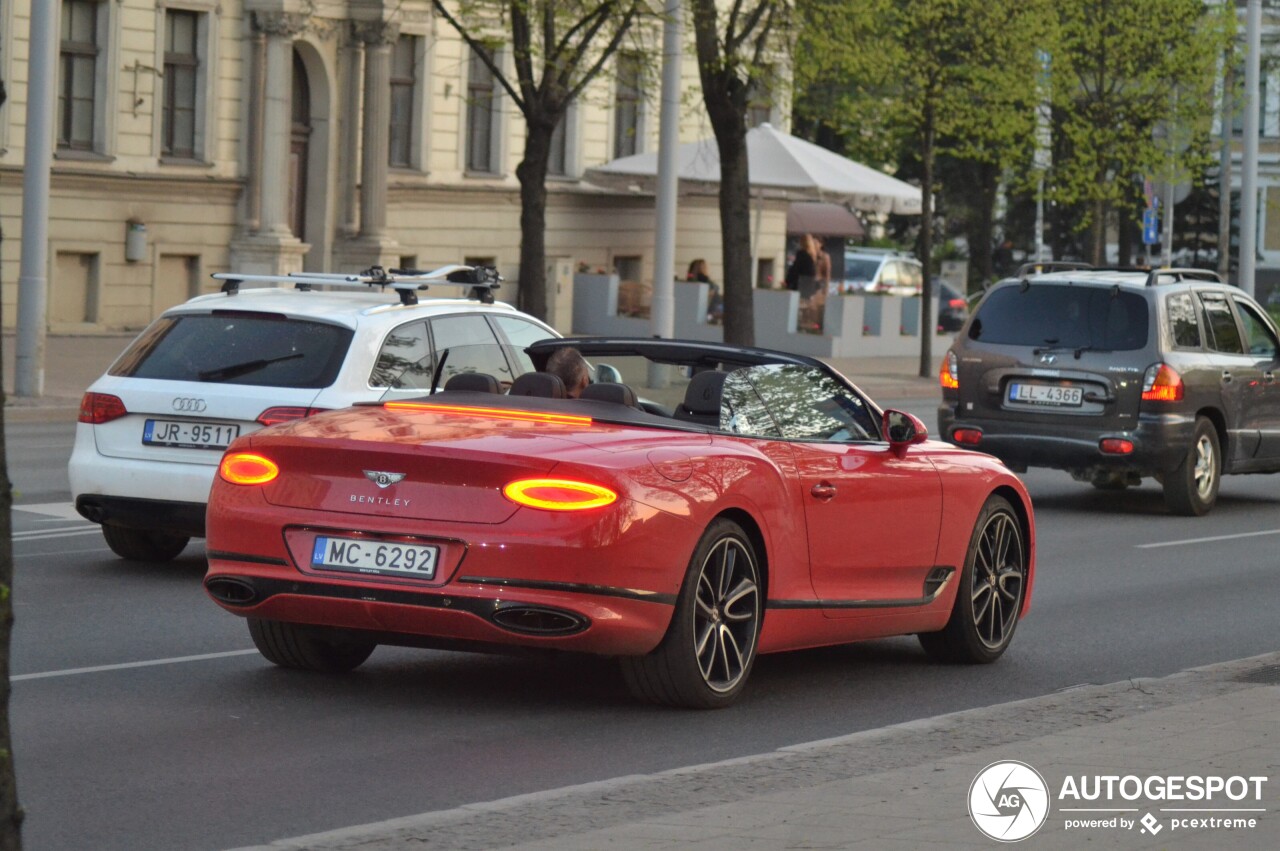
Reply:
x=1072, y=317
x=232, y=347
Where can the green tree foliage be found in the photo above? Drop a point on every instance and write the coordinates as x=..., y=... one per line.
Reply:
x=939, y=77
x=558, y=47
x=735, y=42
x=1132, y=92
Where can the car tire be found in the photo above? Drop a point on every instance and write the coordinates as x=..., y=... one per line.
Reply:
x=1192, y=488
x=142, y=545
x=989, y=598
x=710, y=647
x=309, y=648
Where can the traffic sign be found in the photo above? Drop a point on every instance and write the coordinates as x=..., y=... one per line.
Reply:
x=1150, y=227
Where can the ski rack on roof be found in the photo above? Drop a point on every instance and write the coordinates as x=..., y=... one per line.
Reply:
x=407, y=283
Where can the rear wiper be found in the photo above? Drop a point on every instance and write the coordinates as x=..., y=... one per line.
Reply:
x=238, y=369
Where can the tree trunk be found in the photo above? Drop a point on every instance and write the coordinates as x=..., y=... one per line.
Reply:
x=735, y=230
x=1098, y=234
x=532, y=173
x=982, y=239
x=725, y=96
x=10, y=812
x=927, y=156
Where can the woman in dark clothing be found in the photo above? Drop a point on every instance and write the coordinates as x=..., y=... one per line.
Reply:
x=699, y=274
x=803, y=265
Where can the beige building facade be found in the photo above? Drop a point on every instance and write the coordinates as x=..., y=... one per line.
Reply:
x=195, y=136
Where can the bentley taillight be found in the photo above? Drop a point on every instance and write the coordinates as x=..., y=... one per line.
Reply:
x=558, y=494
x=1161, y=383
x=99, y=408
x=246, y=468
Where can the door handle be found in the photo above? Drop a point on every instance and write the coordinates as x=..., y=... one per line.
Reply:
x=823, y=491
x=1226, y=376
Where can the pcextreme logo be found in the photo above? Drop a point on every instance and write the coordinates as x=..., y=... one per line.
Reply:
x=1008, y=801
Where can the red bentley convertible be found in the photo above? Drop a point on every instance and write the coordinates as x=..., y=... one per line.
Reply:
x=772, y=507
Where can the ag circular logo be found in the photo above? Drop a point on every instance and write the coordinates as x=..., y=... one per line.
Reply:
x=1008, y=801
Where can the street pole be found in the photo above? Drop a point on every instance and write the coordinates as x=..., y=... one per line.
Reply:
x=1249, y=168
x=37, y=160
x=662, y=310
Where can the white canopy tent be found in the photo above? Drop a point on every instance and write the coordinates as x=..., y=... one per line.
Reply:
x=780, y=165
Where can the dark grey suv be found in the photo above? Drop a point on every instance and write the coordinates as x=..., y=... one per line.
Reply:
x=1117, y=375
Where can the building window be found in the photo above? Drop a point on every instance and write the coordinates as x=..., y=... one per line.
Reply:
x=626, y=107
x=1237, y=123
x=181, y=84
x=558, y=161
x=404, y=75
x=759, y=102
x=482, y=115
x=78, y=66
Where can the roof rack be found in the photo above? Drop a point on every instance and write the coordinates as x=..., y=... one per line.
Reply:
x=1045, y=266
x=407, y=283
x=1156, y=275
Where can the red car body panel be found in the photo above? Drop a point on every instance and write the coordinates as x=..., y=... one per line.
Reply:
x=850, y=568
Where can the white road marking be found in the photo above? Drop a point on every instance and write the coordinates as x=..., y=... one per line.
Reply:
x=60, y=510
x=60, y=532
x=176, y=660
x=1206, y=540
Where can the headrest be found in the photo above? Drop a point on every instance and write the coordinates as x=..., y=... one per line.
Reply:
x=478, y=382
x=542, y=384
x=703, y=394
x=609, y=391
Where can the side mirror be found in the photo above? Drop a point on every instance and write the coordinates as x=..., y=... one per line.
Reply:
x=605, y=372
x=902, y=429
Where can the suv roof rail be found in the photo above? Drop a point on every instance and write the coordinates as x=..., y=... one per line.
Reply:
x=1182, y=275
x=1044, y=266
x=482, y=280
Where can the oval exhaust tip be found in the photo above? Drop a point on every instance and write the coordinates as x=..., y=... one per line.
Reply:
x=535, y=620
x=231, y=591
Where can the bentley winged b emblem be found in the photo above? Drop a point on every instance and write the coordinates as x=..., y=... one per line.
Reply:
x=383, y=479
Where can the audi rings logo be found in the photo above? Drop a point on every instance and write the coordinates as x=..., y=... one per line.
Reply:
x=1008, y=801
x=189, y=405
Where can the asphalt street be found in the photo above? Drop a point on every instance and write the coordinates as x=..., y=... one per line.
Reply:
x=142, y=718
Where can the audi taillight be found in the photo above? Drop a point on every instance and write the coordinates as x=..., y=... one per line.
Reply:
x=1161, y=383
x=558, y=494
x=99, y=408
x=246, y=468
x=949, y=375
x=287, y=413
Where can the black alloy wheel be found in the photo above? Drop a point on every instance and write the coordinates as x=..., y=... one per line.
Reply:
x=707, y=654
x=992, y=587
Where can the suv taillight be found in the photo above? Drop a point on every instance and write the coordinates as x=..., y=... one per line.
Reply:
x=99, y=408
x=1161, y=383
x=949, y=375
x=287, y=413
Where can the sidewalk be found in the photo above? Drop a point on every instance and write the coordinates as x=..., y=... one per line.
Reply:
x=71, y=364
x=907, y=786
